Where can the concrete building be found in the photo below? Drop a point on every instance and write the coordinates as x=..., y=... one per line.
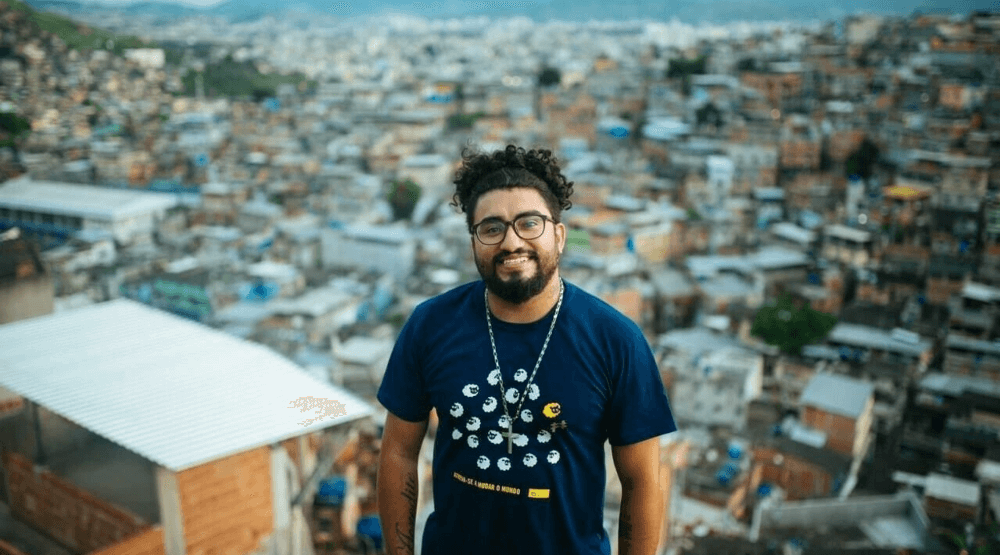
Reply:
x=61, y=209
x=899, y=349
x=882, y=522
x=318, y=313
x=715, y=388
x=847, y=245
x=800, y=470
x=433, y=172
x=842, y=408
x=360, y=362
x=971, y=357
x=952, y=498
x=389, y=250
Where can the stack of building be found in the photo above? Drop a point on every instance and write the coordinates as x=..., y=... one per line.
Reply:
x=851, y=167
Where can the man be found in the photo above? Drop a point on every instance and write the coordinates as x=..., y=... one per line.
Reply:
x=529, y=376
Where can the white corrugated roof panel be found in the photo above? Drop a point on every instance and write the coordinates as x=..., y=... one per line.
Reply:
x=876, y=338
x=955, y=490
x=837, y=394
x=82, y=201
x=841, y=231
x=981, y=292
x=173, y=391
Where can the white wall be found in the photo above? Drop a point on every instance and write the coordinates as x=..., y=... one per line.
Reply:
x=341, y=249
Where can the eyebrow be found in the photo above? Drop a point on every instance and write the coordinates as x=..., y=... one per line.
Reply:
x=516, y=216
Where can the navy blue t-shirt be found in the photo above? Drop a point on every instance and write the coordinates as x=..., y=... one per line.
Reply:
x=597, y=382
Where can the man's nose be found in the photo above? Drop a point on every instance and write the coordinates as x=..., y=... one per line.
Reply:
x=511, y=240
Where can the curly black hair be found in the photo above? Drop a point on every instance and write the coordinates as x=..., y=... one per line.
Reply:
x=508, y=168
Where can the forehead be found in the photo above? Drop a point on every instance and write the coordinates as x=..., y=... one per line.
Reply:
x=508, y=203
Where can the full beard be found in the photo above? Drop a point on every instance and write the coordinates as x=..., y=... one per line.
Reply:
x=517, y=289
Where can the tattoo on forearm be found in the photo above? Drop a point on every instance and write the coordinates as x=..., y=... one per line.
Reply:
x=405, y=530
x=625, y=532
x=404, y=540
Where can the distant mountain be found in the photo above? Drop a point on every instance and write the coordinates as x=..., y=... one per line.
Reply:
x=693, y=11
x=154, y=9
x=689, y=11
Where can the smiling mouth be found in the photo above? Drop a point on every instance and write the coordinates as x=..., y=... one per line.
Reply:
x=515, y=261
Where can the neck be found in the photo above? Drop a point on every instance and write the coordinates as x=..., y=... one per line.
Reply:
x=529, y=311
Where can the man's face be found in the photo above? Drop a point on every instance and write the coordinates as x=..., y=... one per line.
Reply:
x=517, y=269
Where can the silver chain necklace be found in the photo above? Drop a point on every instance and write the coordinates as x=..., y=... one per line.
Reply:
x=509, y=434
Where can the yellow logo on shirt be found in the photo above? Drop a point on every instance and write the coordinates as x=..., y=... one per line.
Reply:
x=538, y=493
x=552, y=410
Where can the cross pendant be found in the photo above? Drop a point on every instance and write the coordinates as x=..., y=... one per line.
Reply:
x=509, y=434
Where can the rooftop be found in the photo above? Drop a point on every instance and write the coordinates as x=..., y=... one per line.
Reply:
x=954, y=490
x=837, y=394
x=874, y=338
x=173, y=391
x=81, y=200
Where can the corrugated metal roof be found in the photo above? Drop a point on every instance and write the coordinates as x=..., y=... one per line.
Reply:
x=81, y=200
x=955, y=386
x=173, y=391
x=955, y=341
x=844, y=232
x=837, y=394
x=955, y=490
x=876, y=338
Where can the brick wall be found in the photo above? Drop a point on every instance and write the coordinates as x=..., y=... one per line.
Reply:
x=226, y=504
x=937, y=508
x=972, y=364
x=799, y=479
x=147, y=542
x=940, y=290
x=64, y=512
x=840, y=430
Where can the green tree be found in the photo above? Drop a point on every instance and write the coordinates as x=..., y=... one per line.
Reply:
x=12, y=128
x=685, y=68
x=861, y=162
x=791, y=327
x=709, y=115
x=549, y=76
x=403, y=195
x=463, y=121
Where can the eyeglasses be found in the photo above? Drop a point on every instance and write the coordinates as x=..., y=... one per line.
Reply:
x=527, y=227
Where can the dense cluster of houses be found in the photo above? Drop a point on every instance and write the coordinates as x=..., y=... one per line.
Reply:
x=851, y=167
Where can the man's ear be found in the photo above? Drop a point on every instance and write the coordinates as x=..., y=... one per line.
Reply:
x=560, y=236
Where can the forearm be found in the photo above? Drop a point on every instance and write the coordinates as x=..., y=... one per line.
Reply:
x=397, y=504
x=640, y=519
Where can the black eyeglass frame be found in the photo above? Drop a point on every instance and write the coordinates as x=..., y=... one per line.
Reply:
x=508, y=225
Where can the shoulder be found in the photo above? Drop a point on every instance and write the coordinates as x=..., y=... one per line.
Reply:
x=448, y=305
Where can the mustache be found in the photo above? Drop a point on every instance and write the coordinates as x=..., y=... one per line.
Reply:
x=498, y=259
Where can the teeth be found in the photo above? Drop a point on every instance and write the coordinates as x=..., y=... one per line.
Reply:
x=517, y=260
